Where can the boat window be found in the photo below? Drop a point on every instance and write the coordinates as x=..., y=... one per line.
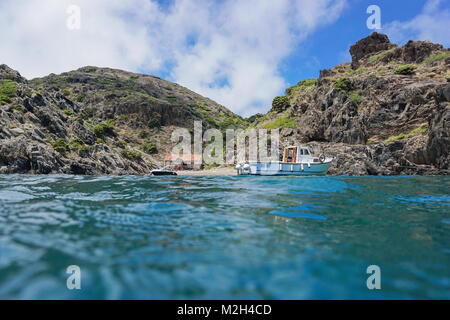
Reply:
x=306, y=152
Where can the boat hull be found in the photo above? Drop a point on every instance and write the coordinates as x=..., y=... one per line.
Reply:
x=285, y=169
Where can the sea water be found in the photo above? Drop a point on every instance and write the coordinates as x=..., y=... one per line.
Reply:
x=135, y=237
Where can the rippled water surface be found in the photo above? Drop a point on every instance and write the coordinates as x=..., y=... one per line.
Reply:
x=224, y=237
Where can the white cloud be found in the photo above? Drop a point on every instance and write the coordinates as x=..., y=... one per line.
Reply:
x=227, y=50
x=432, y=24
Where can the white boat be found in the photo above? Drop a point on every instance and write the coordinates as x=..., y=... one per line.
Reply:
x=297, y=161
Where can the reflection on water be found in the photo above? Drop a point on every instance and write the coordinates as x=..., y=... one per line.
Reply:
x=224, y=237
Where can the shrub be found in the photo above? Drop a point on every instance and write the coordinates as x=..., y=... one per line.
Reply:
x=8, y=89
x=66, y=92
x=355, y=98
x=99, y=141
x=343, y=85
x=406, y=69
x=280, y=103
x=77, y=144
x=131, y=155
x=150, y=147
x=68, y=112
x=153, y=123
x=105, y=128
x=60, y=145
x=122, y=144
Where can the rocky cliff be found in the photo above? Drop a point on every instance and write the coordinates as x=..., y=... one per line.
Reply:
x=96, y=121
x=385, y=113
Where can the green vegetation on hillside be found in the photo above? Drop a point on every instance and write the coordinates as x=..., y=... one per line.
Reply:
x=343, y=84
x=302, y=85
x=8, y=90
x=377, y=57
x=131, y=155
x=406, y=69
x=412, y=133
x=285, y=121
x=150, y=147
x=60, y=145
x=437, y=57
x=104, y=128
x=355, y=98
x=78, y=144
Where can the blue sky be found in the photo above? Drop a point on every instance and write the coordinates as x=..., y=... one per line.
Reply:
x=240, y=53
x=330, y=45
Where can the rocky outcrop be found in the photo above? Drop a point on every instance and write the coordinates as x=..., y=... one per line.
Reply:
x=385, y=113
x=366, y=47
x=438, y=144
x=412, y=52
x=95, y=121
x=373, y=117
x=6, y=73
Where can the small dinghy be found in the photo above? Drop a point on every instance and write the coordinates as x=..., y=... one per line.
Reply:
x=163, y=172
x=297, y=161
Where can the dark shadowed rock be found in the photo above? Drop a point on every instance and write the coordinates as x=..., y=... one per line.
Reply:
x=412, y=52
x=438, y=146
x=326, y=73
x=368, y=46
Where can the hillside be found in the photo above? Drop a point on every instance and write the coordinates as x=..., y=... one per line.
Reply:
x=387, y=112
x=96, y=121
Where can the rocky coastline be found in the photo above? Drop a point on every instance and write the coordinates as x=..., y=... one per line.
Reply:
x=387, y=112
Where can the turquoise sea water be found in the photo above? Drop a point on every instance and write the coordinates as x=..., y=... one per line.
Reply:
x=224, y=237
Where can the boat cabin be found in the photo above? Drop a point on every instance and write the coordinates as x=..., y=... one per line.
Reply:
x=296, y=154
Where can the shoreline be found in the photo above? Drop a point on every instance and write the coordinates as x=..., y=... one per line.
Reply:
x=208, y=173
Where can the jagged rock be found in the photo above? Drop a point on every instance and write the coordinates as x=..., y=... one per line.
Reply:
x=326, y=73
x=443, y=93
x=255, y=117
x=384, y=124
x=13, y=156
x=84, y=133
x=412, y=52
x=368, y=46
x=44, y=160
x=51, y=120
x=98, y=120
x=9, y=74
x=438, y=146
